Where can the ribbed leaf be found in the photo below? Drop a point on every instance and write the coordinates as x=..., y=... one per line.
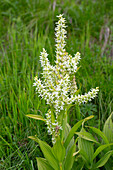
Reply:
x=108, y=128
x=86, y=148
x=59, y=150
x=67, y=130
x=87, y=136
x=47, y=151
x=72, y=132
x=37, y=117
x=100, y=133
x=78, y=114
x=74, y=129
x=63, y=126
x=43, y=164
x=103, y=160
x=69, y=160
x=100, y=149
x=78, y=164
x=109, y=164
x=33, y=138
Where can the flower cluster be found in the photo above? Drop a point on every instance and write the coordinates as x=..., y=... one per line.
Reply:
x=59, y=87
x=51, y=126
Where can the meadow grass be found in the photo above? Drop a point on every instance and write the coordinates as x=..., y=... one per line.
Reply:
x=25, y=28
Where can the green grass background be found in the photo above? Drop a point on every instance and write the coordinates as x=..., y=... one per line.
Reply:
x=25, y=28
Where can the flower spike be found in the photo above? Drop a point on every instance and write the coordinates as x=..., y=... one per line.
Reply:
x=59, y=87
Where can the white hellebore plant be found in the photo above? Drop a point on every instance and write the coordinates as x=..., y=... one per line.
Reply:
x=58, y=87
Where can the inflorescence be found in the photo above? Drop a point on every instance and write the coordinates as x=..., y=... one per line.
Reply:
x=59, y=87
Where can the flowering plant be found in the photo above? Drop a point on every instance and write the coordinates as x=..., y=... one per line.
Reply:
x=59, y=89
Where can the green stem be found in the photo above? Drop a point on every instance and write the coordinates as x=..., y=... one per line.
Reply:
x=52, y=116
x=64, y=122
x=77, y=108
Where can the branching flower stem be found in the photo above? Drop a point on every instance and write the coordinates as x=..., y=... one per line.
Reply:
x=59, y=87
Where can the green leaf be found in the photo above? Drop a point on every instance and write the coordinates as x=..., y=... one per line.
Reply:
x=86, y=148
x=47, y=151
x=109, y=164
x=99, y=149
x=67, y=130
x=76, y=153
x=100, y=133
x=108, y=128
x=37, y=117
x=33, y=138
x=78, y=163
x=88, y=118
x=74, y=129
x=72, y=132
x=103, y=160
x=64, y=124
x=69, y=160
x=43, y=164
x=77, y=108
x=59, y=150
x=87, y=136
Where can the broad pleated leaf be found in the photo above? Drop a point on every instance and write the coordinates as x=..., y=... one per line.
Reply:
x=59, y=150
x=37, y=117
x=108, y=128
x=100, y=133
x=87, y=136
x=69, y=160
x=47, y=151
x=43, y=164
x=67, y=130
x=100, y=149
x=72, y=132
x=86, y=149
x=104, y=159
x=74, y=129
x=78, y=164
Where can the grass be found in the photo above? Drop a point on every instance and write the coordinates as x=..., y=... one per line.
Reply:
x=25, y=28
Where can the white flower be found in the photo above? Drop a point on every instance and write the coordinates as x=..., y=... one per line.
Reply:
x=59, y=87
